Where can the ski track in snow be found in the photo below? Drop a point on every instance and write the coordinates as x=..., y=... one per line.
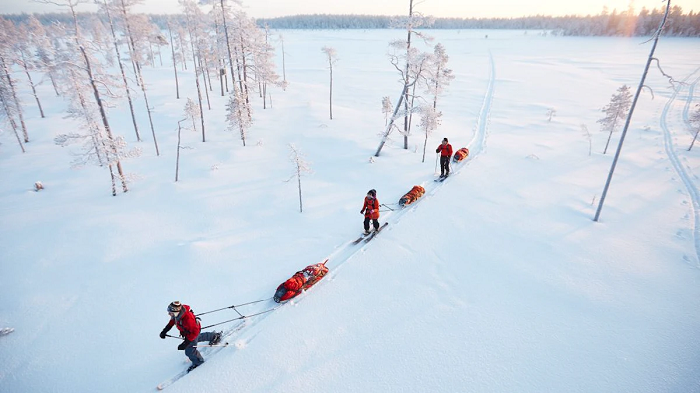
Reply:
x=678, y=166
x=346, y=251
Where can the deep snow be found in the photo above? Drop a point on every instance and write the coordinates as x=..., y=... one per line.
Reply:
x=496, y=280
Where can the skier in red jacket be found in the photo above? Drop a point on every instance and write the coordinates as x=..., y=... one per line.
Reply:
x=182, y=316
x=445, y=150
x=371, y=210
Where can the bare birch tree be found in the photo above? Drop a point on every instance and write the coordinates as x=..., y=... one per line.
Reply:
x=25, y=60
x=615, y=112
x=332, y=58
x=190, y=9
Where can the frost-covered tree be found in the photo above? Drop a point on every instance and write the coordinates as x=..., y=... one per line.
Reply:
x=25, y=59
x=135, y=29
x=237, y=114
x=694, y=122
x=80, y=64
x=587, y=135
x=386, y=108
x=551, y=112
x=172, y=49
x=332, y=58
x=284, y=67
x=105, y=7
x=265, y=67
x=44, y=50
x=301, y=166
x=192, y=112
x=7, y=58
x=429, y=122
x=412, y=58
x=191, y=11
x=7, y=111
x=615, y=112
x=437, y=75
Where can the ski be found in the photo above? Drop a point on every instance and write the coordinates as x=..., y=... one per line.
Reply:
x=441, y=179
x=208, y=351
x=359, y=239
x=6, y=331
x=373, y=234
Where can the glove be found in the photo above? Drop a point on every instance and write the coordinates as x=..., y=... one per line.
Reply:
x=164, y=332
x=183, y=345
x=371, y=211
x=362, y=212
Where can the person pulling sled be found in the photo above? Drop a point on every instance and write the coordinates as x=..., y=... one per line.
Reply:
x=445, y=150
x=371, y=210
x=182, y=317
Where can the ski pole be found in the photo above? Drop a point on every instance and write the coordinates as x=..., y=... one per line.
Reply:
x=436, y=161
x=168, y=335
x=207, y=345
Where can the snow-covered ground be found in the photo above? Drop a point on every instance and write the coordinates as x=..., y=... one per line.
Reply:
x=497, y=280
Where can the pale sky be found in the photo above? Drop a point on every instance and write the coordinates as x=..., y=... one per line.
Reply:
x=437, y=8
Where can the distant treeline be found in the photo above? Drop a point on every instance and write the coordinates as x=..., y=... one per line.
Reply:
x=644, y=23
x=626, y=23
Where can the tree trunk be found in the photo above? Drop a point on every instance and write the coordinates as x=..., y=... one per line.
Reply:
x=228, y=46
x=172, y=48
x=11, y=85
x=31, y=83
x=330, y=96
x=631, y=111
x=12, y=122
x=121, y=68
x=301, y=208
x=406, y=127
x=391, y=123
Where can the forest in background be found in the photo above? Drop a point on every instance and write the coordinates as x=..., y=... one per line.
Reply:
x=627, y=23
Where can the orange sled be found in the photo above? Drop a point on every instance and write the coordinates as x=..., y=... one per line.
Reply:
x=412, y=196
x=460, y=154
x=300, y=281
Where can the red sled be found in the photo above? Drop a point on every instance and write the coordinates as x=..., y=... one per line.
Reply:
x=301, y=281
x=460, y=154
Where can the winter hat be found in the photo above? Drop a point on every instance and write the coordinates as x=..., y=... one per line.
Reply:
x=444, y=139
x=174, y=306
x=372, y=192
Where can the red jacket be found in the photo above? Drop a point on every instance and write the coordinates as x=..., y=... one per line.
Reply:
x=186, y=323
x=371, y=208
x=444, y=150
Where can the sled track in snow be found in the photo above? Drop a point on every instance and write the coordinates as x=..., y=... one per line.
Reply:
x=246, y=329
x=679, y=167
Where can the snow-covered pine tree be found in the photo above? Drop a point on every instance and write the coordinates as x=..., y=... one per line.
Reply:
x=191, y=10
x=429, y=122
x=24, y=58
x=7, y=111
x=386, y=108
x=301, y=166
x=192, y=112
x=78, y=63
x=615, y=112
x=105, y=8
x=135, y=28
x=7, y=58
x=411, y=59
x=237, y=112
x=265, y=67
x=44, y=50
x=332, y=58
x=438, y=76
x=172, y=49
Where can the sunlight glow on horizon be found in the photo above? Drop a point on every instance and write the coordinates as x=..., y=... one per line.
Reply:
x=436, y=8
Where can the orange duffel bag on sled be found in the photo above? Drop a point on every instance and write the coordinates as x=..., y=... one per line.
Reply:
x=460, y=154
x=412, y=196
x=301, y=281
